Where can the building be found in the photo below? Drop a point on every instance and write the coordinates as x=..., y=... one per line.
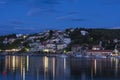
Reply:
x=96, y=47
x=19, y=35
x=84, y=32
x=99, y=52
x=56, y=40
x=50, y=46
x=5, y=41
x=67, y=40
x=36, y=47
x=76, y=48
x=61, y=46
x=11, y=40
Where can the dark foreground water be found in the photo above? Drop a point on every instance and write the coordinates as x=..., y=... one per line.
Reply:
x=56, y=68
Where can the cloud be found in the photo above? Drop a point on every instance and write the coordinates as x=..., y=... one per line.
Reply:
x=77, y=19
x=63, y=17
x=70, y=18
x=114, y=28
x=39, y=11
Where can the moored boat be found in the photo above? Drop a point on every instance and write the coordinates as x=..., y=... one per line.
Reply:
x=86, y=56
x=63, y=56
x=100, y=56
x=77, y=55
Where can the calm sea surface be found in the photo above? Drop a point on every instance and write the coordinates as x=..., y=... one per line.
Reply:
x=57, y=68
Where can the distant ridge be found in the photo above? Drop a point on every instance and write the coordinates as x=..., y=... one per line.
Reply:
x=114, y=28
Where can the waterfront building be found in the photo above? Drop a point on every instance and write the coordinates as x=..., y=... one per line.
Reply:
x=76, y=48
x=61, y=46
x=99, y=52
x=96, y=47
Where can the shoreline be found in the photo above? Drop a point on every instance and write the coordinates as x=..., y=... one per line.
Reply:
x=31, y=54
x=55, y=54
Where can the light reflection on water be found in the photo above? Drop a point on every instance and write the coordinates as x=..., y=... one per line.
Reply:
x=56, y=68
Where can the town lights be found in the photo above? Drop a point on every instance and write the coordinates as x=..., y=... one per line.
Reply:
x=46, y=50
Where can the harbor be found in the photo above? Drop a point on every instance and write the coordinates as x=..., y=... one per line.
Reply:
x=58, y=68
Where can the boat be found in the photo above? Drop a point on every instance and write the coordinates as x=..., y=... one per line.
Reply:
x=77, y=55
x=100, y=56
x=86, y=56
x=118, y=57
x=62, y=56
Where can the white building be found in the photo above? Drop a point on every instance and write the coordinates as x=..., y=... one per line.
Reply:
x=19, y=35
x=34, y=44
x=11, y=40
x=56, y=40
x=96, y=47
x=61, y=46
x=5, y=42
x=41, y=47
x=83, y=32
x=36, y=47
x=67, y=40
x=50, y=46
x=99, y=52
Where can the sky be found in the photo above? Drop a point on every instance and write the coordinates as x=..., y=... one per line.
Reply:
x=30, y=16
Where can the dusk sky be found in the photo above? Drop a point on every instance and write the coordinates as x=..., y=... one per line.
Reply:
x=28, y=16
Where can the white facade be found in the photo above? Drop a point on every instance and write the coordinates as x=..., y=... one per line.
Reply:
x=55, y=40
x=11, y=40
x=51, y=46
x=84, y=32
x=36, y=47
x=41, y=47
x=67, y=40
x=5, y=42
x=61, y=46
x=96, y=48
x=34, y=44
x=19, y=35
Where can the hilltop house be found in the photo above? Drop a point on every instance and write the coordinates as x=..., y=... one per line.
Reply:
x=83, y=32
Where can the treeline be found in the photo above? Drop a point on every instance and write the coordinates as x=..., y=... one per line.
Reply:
x=94, y=36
